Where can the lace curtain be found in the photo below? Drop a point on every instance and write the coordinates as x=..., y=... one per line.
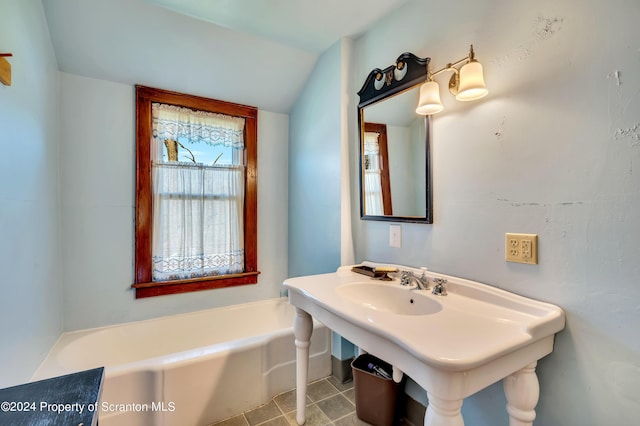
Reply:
x=172, y=122
x=197, y=209
x=372, y=175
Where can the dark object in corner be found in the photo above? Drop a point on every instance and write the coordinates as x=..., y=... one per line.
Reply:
x=65, y=400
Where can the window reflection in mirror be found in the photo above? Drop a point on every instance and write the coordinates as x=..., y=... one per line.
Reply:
x=377, y=190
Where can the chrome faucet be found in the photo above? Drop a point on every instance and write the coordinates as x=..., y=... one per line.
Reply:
x=422, y=281
x=439, y=288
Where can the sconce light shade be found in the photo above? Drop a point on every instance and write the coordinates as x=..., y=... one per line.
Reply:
x=472, y=85
x=429, y=102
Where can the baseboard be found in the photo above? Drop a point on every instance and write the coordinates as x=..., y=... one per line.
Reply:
x=413, y=414
x=341, y=369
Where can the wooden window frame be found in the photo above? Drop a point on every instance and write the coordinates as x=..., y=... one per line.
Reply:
x=143, y=283
x=381, y=130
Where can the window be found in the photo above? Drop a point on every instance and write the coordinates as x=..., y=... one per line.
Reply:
x=196, y=193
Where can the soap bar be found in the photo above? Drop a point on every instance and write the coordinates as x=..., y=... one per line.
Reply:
x=386, y=269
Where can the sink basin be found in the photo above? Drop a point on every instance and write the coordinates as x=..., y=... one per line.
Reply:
x=389, y=298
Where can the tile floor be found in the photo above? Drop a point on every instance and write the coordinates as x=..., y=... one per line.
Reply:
x=328, y=403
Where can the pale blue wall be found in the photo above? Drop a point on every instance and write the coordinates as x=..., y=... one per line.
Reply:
x=97, y=185
x=30, y=289
x=553, y=150
x=314, y=170
x=68, y=202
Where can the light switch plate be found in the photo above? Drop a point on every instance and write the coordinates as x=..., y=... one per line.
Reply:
x=522, y=248
x=395, y=236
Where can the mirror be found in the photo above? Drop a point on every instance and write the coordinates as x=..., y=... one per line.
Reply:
x=394, y=144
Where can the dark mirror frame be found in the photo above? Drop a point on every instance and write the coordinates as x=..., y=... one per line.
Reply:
x=379, y=86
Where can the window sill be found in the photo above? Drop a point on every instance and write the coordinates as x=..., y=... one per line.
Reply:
x=161, y=288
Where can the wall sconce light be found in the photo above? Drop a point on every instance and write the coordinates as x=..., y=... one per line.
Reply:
x=466, y=84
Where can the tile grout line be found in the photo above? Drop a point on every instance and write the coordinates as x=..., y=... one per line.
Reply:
x=283, y=414
x=314, y=403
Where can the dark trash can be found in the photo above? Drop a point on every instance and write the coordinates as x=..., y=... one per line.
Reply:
x=376, y=394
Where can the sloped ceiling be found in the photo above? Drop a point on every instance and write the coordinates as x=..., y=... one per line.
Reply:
x=306, y=24
x=253, y=52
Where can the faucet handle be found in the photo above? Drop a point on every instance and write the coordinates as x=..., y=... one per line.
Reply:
x=439, y=289
x=404, y=278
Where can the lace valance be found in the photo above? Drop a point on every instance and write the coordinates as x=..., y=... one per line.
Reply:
x=371, y=145
x=175, y=123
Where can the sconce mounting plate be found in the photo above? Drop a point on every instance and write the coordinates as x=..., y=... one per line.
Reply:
x=5, y=72
x=454, y=83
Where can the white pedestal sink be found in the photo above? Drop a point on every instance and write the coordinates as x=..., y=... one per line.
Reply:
x=453, y=345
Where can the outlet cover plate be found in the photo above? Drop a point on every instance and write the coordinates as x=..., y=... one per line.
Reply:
x=522, y=248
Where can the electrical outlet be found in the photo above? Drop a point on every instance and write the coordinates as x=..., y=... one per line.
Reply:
x=522, y=248
x=395, y=236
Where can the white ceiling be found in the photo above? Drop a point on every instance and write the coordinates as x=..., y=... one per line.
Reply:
x=254, y=52
x=306, y=24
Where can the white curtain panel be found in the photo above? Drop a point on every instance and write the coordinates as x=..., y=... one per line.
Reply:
x=372, y=177
x=197, y=209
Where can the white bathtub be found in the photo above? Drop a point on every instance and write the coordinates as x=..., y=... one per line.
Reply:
x=191, y=369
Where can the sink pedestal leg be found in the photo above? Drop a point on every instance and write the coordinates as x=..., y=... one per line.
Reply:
x=441, y=412
x=302, y=329
x=522, y=391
